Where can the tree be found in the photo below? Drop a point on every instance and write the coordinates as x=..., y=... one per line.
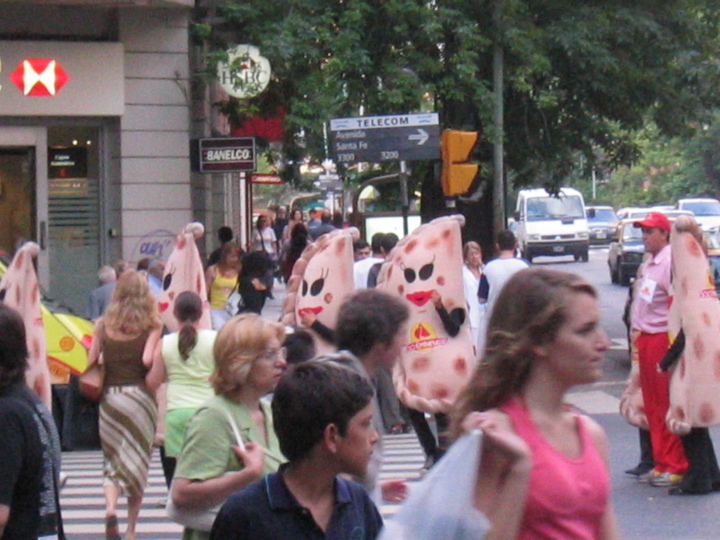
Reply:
x=582, y=76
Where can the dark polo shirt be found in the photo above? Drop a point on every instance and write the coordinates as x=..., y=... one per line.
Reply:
x=266, y=509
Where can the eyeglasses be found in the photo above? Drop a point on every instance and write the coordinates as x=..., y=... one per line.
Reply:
x=273, y=355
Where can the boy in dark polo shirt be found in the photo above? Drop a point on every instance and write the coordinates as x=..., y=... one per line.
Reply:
x=323, y=419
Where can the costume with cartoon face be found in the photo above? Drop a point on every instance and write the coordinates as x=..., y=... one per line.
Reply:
x=434, y=364
x=21, y=291
x=321, y=280
x=694, y=398
x=184, y=272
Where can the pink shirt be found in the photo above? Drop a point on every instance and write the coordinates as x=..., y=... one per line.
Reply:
x=651, y=303
x=567, y=497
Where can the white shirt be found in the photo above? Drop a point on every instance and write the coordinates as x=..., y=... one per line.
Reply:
x=361, y=269
x=497, y=272
x=476, y=310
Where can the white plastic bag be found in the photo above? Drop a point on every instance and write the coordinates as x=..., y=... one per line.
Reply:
x=441, y=506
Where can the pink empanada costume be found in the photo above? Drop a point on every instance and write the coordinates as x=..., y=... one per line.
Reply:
x=321, y=280
x=695, y=380
x=184, y=272
x=22, y=293
x=433, y=366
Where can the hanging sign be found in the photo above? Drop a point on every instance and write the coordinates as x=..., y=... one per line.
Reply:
x=246, y=74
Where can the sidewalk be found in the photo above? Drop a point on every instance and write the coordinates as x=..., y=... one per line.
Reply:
x=273, y=307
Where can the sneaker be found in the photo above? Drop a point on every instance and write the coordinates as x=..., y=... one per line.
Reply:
x=645, y=477
x=665, y=479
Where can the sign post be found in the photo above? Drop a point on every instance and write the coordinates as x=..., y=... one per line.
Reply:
x=403, y=137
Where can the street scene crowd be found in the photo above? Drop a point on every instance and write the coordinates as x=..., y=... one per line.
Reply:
x=274, y=429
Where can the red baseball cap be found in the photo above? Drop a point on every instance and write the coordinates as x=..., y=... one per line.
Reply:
x=655, y=219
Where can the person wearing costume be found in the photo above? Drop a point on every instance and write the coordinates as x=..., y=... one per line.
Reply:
x=649, y=318
x=703, y=474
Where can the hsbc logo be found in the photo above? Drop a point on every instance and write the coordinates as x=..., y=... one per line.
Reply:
x=39, y=77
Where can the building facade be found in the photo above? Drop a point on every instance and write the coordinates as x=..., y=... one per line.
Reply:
x=99, y=101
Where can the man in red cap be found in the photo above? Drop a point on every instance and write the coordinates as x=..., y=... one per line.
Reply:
x=649, y=316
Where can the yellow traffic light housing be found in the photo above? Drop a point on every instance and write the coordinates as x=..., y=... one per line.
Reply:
x=457, y=174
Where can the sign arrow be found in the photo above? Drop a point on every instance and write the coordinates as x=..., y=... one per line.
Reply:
x=421, y=136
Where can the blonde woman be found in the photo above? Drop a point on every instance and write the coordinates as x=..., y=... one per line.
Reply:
x=472, y=272
x=221, y=279
x=125, y=337
x=249, y=361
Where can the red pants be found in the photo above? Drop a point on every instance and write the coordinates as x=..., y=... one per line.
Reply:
x=667, y=448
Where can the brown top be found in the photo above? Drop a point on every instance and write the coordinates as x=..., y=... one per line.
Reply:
x=124, y=360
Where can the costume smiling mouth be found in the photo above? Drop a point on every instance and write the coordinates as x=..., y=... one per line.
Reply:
x=419, y=298
x=162, y=306
x=313, y=310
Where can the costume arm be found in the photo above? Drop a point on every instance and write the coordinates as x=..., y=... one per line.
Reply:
x=674, y=352
x=451, y=321
x=323, y=331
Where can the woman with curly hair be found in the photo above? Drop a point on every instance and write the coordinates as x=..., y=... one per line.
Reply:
x=124, y=340
x=249, y=361
x=544, y=467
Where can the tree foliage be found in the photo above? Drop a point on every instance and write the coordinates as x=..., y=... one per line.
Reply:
x=582, y=77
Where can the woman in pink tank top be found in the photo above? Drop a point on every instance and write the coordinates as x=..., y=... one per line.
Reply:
x=544, y=337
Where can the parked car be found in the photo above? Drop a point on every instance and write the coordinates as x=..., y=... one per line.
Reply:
x=602, y=222
x=707, y=212
x=675, y=213
x=632, y=212
x=626, y=252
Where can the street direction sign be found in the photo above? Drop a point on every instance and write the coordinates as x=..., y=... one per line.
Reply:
x=403, y=137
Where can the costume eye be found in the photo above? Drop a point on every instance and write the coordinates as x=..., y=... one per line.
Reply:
x=426, y=271
x=167, y=280
x=304, y=288
x=317, y=286
x=409, y=275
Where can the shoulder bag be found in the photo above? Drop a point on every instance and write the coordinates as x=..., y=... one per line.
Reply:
x=201, y=519
x=92, y=381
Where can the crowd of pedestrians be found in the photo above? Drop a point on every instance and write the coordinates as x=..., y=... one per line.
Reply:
x=259, y=436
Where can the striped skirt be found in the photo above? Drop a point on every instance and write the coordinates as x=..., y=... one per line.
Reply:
x=128, y=418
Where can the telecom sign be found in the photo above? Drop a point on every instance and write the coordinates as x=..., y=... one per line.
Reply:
x=403, y=137
x=229, y=154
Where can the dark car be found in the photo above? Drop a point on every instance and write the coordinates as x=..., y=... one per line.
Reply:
x=626, y=253
x=602, y=223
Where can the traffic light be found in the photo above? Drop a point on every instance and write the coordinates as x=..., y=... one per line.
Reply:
x=457, y=174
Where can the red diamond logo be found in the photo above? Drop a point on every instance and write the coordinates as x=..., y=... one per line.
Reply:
x=39, y=77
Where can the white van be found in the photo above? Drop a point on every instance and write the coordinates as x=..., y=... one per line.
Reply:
x=552, y=225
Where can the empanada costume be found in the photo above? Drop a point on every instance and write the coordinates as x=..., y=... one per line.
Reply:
x=184, y=272
x=433, y=366
x=321, y=280
x=22, y=293
x=695, y=380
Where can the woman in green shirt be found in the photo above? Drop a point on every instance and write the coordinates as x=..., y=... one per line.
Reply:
x=249, y=362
